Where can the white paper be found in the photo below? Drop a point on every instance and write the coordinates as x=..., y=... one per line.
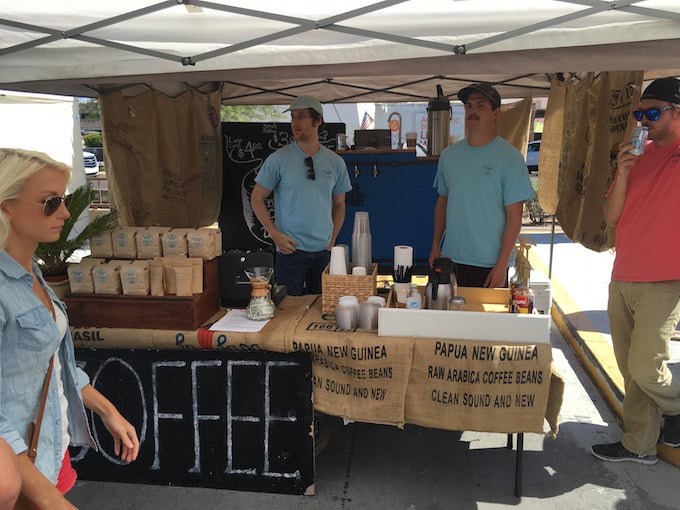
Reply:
x=237, y=320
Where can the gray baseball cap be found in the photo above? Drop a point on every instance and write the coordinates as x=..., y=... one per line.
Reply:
x=304, y=102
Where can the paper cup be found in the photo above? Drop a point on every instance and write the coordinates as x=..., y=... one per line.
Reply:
x=337, y=264
x=376, y=300
x=411, y=140
x=359, y=271
x=401, y=289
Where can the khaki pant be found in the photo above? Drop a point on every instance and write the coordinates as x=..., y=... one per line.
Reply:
x=643, y=316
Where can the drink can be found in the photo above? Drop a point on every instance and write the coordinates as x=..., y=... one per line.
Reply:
x=639, y=139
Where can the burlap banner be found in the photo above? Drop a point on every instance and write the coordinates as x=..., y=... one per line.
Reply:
x=482, y=386
x=270, y=338
x=446, y=384
x=357, y=375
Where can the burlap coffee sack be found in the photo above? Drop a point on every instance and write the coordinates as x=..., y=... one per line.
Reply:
x=479, y=386
x=164, y=157
x=588, y=116
x=356, y=375
x=514, y=122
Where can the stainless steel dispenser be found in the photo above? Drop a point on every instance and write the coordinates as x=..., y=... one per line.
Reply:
x=438, y=123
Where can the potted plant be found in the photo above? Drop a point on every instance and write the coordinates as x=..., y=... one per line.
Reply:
x=52, y=257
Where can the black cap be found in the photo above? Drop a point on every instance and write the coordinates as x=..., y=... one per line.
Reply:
x=664, y=89
x=483, y=88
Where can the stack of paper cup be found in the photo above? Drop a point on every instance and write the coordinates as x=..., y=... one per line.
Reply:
x=347, y=313
x=337, y=265
x=346, y=248
x=361, y=241
x=368, y=315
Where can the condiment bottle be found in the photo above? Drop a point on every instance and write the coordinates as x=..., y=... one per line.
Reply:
x=414, y=300
x=524, y=296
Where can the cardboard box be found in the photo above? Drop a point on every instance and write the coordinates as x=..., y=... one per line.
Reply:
x=147, y=312
x=486, y=318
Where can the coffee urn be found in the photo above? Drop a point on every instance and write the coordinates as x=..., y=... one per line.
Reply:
x=438, y=123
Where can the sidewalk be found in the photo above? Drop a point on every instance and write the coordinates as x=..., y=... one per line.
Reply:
x=580, y=281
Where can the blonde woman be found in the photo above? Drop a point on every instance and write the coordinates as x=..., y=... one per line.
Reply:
x=33, y=330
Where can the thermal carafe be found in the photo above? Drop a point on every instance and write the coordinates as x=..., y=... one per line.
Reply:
x=442, y=285
x=438, y=123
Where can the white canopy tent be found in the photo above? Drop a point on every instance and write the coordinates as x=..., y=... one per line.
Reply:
x=266, y=51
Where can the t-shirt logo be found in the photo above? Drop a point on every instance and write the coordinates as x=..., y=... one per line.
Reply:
x=488, y=171
x=327, y=174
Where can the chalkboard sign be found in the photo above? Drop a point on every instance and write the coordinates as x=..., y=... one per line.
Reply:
x=246, y=145
x=231, y=420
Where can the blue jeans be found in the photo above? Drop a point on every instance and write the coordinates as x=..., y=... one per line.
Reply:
x=301, y=271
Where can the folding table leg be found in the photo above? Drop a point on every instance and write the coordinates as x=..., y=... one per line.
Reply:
x=518, y=465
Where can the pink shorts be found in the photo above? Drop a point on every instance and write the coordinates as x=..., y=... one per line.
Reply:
x=67, y=475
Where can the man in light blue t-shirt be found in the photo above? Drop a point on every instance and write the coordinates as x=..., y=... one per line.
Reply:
x=309, y=183
x=482, y=183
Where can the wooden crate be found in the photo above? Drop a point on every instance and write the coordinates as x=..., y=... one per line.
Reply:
x=334, y=286
x=147, y=312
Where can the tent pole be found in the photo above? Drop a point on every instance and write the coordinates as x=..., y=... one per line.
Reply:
x=552, y=245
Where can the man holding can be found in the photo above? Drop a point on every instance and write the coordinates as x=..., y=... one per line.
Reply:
x=644, y=293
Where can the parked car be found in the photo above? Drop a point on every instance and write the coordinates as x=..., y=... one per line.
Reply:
x=91, y=164
x=532, y=155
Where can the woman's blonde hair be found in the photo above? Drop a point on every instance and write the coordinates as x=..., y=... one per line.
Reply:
x=16, y=167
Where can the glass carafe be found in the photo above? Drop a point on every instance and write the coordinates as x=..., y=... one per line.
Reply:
x=261, y=306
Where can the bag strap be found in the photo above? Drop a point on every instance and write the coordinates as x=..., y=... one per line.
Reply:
x=34, y=427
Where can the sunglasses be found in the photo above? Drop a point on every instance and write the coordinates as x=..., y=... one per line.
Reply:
x=51, y=204
x=311, y=175
x=651, y=114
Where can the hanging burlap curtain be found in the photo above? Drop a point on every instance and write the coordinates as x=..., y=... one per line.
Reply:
x=586, y=120
x=514, y=123
x=164, y=157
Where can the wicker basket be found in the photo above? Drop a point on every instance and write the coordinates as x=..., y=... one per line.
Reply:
x=334, y=286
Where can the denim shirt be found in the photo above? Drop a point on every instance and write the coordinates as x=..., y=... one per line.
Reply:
x=28, y=338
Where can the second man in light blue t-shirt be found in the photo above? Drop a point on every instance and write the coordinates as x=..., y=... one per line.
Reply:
x=482, y=183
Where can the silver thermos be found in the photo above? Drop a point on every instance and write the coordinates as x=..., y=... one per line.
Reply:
x=442, y=285
x=438, y=123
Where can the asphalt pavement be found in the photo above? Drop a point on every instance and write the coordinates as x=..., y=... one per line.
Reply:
x=381, y=467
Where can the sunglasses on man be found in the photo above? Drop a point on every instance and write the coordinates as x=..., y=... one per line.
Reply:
x=51, y=204
x=651, y=113
x=311, y=175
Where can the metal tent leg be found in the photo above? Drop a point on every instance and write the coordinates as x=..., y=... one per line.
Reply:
x=518, y=465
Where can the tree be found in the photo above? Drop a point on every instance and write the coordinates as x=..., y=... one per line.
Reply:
x=89, y=109
x=93, y=139
x=252, y=113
